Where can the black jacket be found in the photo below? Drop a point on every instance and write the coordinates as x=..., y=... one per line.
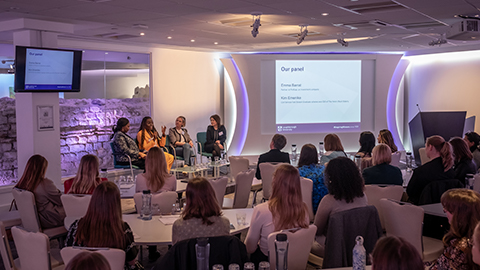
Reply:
x=273, y=155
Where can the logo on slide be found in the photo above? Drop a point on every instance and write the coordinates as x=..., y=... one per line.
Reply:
x=279, y=128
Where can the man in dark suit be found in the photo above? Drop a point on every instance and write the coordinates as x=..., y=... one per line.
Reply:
x=274, y=155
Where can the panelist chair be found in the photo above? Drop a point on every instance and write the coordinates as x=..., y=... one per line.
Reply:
x=25, y=201
x=201, y=140
x=119, y=166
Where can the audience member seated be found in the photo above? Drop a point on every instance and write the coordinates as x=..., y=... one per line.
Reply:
x=180, y=139
x=308, y=167
x=476, y=246
x=88, y=260
x=473, y=141
x=345, y=187
x=216, y=136
x=275, y=154
x=156, y=177
x=382, y=173
x=284, y=210
x=367, y=142
x=202, y=215
x=462, y=207
x=463, y=159
x=147, y=137
x=438, y=168
x=86, y=179
x=47, y=196
x=333, y=148
x=125, y=145
x=394, y=253
x=385, y=136
x=102, y=225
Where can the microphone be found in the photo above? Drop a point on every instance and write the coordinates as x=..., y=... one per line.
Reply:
x=419, y=109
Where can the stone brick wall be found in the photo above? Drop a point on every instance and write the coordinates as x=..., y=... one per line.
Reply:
x=85, y=128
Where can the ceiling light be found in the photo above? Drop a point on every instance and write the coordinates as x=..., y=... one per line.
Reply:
x=256, y=23
x=303, y=33
x=192, y=40
x=142, y=34
x=325, y=14
x=342, y=42
x=215, y=43
x=169, y=37
x=378, y=29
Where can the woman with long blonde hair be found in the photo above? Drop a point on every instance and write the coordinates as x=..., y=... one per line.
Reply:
x=284, y=210
x=47, y=196
x=156, y=177
x=86, y=179
x=102, y=225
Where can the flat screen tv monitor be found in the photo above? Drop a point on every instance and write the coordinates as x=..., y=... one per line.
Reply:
x=47, y=70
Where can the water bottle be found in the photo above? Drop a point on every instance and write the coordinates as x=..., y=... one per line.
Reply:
x=320, y=149
x=469, y=180
x=359, y=254
x=281, y=250
x=234, y=266
x=146, y=213
x=358, y=161
x=104, y=173
x=202, y=248
x=408, y=161
x=294, y=152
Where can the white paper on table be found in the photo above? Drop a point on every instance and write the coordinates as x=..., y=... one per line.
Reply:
x=126, y=186
x=168, y=220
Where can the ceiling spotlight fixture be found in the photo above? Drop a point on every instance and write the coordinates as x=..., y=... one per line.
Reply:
x=192, y=40
x=325, y=14
x=216, y=43
x=142, y=34
x=342, y=42
x=438, y=41
x=169, y=37
x=303, y=33
x=256, y=23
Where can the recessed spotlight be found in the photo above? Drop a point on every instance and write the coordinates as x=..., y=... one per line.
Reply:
x=169, y=37
x=325, y=14
x=378, y=29
x=192, y=40
x=216, y=43
x=354, y=0
x=474, y=37
x=142, y=34
x=106, y=53
x=477, y=15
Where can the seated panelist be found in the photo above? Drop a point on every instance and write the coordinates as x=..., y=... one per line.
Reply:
x=148, y=137
x=180, y=139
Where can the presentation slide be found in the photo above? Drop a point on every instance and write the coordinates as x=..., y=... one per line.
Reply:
x=45, y=69
x=318, y=95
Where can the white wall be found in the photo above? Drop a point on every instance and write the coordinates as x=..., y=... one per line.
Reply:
x=444, y=82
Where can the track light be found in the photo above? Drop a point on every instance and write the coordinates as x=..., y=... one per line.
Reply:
x=438, y=41
x=303, y=33
x=256, y=23
x=342, y=42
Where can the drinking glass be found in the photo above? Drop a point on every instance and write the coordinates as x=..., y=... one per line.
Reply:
x=264, y=266
x=249, y=266
x=234, y=266
x=241, y=218
x=217, y=267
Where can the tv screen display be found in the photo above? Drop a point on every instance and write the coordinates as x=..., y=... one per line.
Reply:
x=47, y=70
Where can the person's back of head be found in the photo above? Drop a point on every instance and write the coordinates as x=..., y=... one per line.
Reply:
x=474, y=138
x=394, y=253
x=460, y=149
x=201, y=201
x=87, y=175
x=308, y=155
x=343, y=179
x=156, y=170
x=88, y=260
x=443, y=148
x=279, y=141
x=332, y=142
x=33, y=174
x=386, y=137
x=381, y=154
x=367, y=142
x=463, y=211
x=285, y=203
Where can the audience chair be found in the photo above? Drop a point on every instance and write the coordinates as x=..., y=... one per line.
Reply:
x=432, y=192
x=243, y=185
x=299, y=244
x=307, y=189
x=266, y=170
x=476, y=183
x=28, y=213
x=224, y=250
x=423, y=155
x=220, y=186
x=33, y=249
x=343, y=228
x=11, y=218
x=396, y=159
x=406, y=220
x=118, y=166
x=375, y=193
x=75, y=206
x=238, y=164
x=164, y=200
x=114, y=256
x=6, y=252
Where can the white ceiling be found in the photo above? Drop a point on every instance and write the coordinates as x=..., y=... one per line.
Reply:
x=227, y=22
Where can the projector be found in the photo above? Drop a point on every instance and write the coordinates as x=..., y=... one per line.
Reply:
x=464, y=30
